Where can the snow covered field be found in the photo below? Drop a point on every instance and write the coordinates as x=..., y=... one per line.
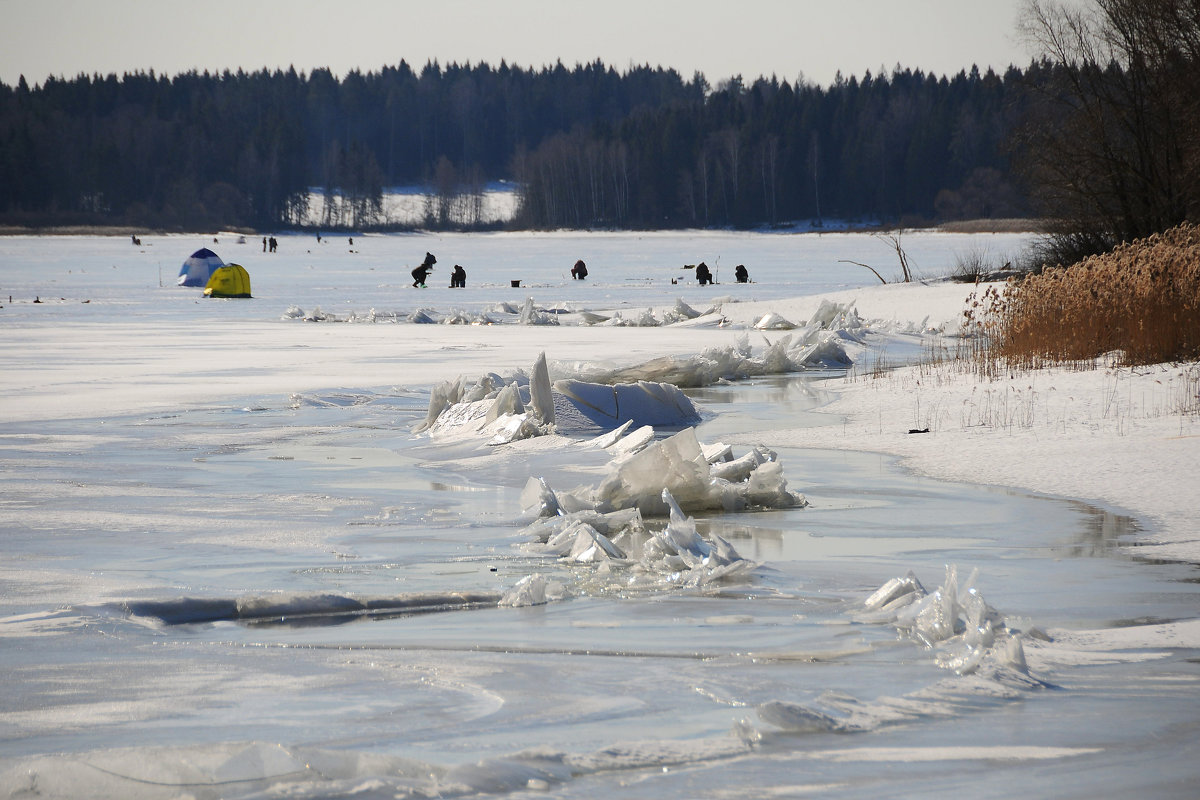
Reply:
x=231, y=567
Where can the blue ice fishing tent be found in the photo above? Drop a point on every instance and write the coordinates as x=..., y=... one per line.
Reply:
x=199, y=267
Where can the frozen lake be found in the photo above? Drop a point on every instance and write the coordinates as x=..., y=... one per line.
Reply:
x=204, y=452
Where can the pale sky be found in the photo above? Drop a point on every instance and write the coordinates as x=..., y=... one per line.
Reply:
x=785, y=38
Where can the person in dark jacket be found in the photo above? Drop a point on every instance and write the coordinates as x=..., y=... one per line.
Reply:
x=422, y=272
x=742, y=275
x=702, y=274
x=579, y=271
x=458, y=278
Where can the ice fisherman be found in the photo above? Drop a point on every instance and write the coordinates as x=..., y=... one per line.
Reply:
x=422, y=272
x=458, y=278
x=579, y=271
x=742, y=275
x=702, y=274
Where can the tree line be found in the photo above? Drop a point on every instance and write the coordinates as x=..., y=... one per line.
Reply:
x=245, y=148
x=1098, y=136
x=587, y=146
x=904, y=146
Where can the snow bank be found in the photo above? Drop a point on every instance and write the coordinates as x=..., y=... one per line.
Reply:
x=1120, y=438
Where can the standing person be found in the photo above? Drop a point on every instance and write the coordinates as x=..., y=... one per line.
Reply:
x=422, y=272
x=579, y=271
x=274, y=244
x=264, y=244
x=458, y=278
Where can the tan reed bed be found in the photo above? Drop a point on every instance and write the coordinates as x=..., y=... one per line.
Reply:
x=1139, y=304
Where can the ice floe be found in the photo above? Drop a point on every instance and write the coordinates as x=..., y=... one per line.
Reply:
x=965, y=635
x=622, y=551
x=642, y=468
x=606, y=527
x=954, y=620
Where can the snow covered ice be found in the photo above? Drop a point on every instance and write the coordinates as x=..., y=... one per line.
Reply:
x=348, y=538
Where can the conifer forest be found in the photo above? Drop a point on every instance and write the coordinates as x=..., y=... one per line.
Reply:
x=586, y=146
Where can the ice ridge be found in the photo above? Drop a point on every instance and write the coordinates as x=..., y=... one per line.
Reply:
x=966, y=635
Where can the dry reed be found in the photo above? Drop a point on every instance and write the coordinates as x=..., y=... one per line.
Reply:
x=1139, y=304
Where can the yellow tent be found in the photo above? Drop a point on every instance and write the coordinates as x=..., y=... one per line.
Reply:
x=231, y=280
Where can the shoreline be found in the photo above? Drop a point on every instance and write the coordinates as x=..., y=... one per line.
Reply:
x=983, y=225
x=1059, y=435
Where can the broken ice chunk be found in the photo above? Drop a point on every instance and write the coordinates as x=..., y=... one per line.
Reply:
x=739, y=469
x=774, y=322
x=680, y=536
x=589, y=545
x=642, y=403
x=893, y=589
x=607, y=440
x=507, y=401
x=540, y=397
x=675, y=464
x=529, y=591
x=538, y=500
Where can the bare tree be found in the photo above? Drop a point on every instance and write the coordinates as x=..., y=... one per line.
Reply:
x=893, y=241
x=1110, y=147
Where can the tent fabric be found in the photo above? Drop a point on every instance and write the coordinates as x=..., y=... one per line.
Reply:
x=199, y=267
x=231, y=280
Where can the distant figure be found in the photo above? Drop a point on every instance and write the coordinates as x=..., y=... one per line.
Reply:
x=741, y=274
x=422, y=272
x=135, y=240
x=702, y=274
x=458, y=278
x=273, y=244
x=318, y=238
x=352, y=241
x=264, y=244
x=579, y=271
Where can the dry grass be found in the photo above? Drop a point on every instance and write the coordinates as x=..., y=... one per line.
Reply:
x=1139, y=304
x=1130, y=319
x=998, y=225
